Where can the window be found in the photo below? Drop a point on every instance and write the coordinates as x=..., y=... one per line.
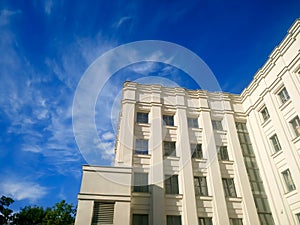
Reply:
x=295, y=123
x=193, y=123
x=235, y=221
x=223, y=153
x=217, y=124
x=140, y=182
x=169, y=148
x=196, y=150
x=142, y=117
x=140, y=219
x=141, y=146
x=275, y=143
x=171, y=185
x=265, y=114
x=283, y=95
x=173, y=220
x=288, y=180
x=205, y=221
x=103, y=213
x=229, y=187
x=200, y=186
x=168, y=120
x=298, y=217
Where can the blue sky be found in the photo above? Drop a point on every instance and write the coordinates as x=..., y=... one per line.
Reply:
x=46, y=46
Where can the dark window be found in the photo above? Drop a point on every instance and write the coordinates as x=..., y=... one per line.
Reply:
x=171, y=184
x=141, y=146
x=173, y=220
x=196, y=150
x=169, y=148
x=283, y=95
x=140, y=182
x=140, y=219
x=236, y=221
x=298, y=217
x=193, y=123
x=223, y=153
x=275, y=143
x=288, y=180
x=200, y=186
x=217, y=124
x=295, y=123
x=229, y=187
x=103, y=213
x=205, y=221
x=142, y=117
x=265, y=114
x=168, y=120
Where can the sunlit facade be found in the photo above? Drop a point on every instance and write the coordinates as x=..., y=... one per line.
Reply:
x=192, y=157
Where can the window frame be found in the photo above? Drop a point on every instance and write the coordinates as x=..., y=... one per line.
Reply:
x=217, y=125
x=139, y=147
x=275, y=143
x=229, y=187
x=169, y=148
x=192, y=122
x=200, y=184
x=168, y=120
x=142, y=117
x=265, y=114
x=223, y=153
x=205, y=221
x=141, y=219
x=283, y=95
x=196, y=151
x=171, y=185
x=174, y=220
x=295, y=125
x=288, y=180
x=140, y=182
x=236, y=221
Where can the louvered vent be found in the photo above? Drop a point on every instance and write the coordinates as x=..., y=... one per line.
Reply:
x=103, y=213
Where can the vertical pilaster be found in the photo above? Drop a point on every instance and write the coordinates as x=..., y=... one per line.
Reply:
x=214, y=174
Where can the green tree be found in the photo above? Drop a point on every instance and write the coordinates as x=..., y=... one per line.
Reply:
x=6, y=213
x=61, y=213
x=30, y=216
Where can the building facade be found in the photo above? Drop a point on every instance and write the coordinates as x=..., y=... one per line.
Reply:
x=194, y=157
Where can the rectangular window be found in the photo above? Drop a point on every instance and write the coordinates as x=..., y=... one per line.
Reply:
x=205, y=221
x=168, y=120
x=298, y=217
x=196, y=150
x=265, y=114
x=229, y=187
x=173, y=220
x=275, y=143
x=169, y=148
x=223, y=153
x=142, y=117
x=140, y=219
x=103, y=213
x=295, y=123
x=140, y=182
x=217, y=124
x=235, y=221
x=288, y=180
x=171, y=184
x=283, y=95
x=141, y=146
x=200, y=186
x=193, y=123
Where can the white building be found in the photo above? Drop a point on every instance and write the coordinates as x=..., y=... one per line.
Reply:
x=195, y=157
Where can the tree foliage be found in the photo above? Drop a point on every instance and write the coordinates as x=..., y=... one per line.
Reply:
x=61, y=213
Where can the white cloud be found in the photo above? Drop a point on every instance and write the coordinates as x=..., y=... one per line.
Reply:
x=48, y=6
x=20, y=190
x=108, y=136
x=5, y=16
x=121, y=21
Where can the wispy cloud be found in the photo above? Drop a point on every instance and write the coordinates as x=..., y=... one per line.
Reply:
x=21, y=189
